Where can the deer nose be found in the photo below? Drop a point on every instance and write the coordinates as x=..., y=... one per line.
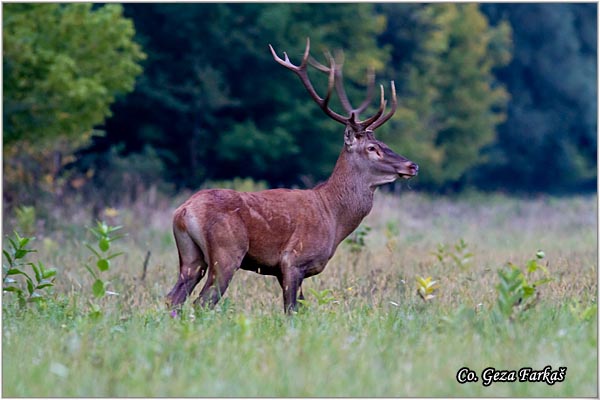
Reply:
x=409, y=169
x=414, y=168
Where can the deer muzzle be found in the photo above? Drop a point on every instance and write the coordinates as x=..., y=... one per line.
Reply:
x=407, y=169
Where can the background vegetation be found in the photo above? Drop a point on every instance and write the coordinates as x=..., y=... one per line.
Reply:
x=487, y=100
x=364, y=331
x=114, y=114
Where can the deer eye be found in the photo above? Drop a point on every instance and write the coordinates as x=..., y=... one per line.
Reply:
x=371, y=148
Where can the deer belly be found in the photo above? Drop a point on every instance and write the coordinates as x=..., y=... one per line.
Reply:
x=250, y=264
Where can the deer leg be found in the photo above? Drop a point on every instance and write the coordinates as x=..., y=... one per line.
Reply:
x=223, y=261
x=291, y=282
x=192, y=268
x=219, y=277
x=280, y=280
x=300, y=293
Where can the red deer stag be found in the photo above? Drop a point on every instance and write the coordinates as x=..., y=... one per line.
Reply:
x=290, y=234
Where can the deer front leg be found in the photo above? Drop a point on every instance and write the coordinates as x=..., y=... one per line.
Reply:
x=291, y=282
x=289, y=302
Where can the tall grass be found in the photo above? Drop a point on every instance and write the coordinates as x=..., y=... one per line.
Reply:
x=375, y=337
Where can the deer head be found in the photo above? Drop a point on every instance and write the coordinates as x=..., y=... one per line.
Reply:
x=364, y=152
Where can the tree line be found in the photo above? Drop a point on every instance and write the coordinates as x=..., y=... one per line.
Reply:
x=492, y=96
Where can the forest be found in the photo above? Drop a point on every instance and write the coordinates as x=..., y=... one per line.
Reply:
x=114, y=99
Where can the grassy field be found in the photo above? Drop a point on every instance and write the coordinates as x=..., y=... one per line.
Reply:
x=364, y=331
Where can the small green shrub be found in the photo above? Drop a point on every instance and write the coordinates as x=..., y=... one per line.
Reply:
x=323, y=298
x=26, y=288
x=105, y=235
x=426, y=287
x=516, y=293
x=26, y=218
x=356, y=240
x=583, y=313
x=460, y=256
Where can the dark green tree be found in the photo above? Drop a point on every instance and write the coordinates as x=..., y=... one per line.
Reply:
x=215, y=105
x=549, y=139
x=451, y=101
x=64, y=64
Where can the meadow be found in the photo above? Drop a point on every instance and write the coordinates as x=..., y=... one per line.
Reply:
x=364, y=329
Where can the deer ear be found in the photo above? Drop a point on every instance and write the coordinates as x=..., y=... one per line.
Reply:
x=350, y=138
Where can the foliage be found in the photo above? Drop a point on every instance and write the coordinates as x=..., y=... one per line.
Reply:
x=63, y=66
x=552, y=114
x=359, y=345
x=31, y=290
x=115, y=177
x=230, y=99
x=323, y=297
x=426, y=287
x=452, y=101
x=225, y=109
x=359, y=352
x=461, y=255
x=356, y=240
x=26, y=219
x=583, y=313
x=35, y=175
x=105, y=236
x=516, y=293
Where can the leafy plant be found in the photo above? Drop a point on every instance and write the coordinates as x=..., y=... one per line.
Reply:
x=105, y=236
x=460, y=255
x=323, y=298
x=30, y=290
x=26, y=219
x=426, y=287
x=583, y=313
x=516, y=293
x=356, y=241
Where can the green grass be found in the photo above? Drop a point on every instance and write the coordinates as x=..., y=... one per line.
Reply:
x=376, y=338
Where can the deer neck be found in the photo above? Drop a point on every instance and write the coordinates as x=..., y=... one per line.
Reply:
x=347, y=195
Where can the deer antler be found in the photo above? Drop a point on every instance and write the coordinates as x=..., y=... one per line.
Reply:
x=380, y=120
x=301, y=71
x=334, y=72
x=339, y=83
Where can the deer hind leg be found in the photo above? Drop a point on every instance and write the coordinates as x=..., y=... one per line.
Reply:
x=227, y=246
x=192, y=267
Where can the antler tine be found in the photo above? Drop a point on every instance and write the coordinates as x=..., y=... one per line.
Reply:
x=339, y=85
x=386, y=117
x=302, y=73
x=370, y=87
x=367, y=123
x=318, y=65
